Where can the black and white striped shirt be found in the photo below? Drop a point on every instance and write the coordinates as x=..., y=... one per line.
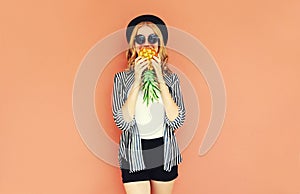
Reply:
x=130, y=142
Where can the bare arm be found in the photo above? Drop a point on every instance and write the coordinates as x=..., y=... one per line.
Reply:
x=169, y=104
x=173, y=100
x=128, y=109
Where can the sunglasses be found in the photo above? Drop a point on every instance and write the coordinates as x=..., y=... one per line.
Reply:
x=141, y=39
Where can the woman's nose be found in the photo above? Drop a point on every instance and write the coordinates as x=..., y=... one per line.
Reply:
x=147, y=43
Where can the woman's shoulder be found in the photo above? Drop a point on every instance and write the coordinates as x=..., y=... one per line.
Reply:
x=123, y=76
x=123, y=73
x=172, y=77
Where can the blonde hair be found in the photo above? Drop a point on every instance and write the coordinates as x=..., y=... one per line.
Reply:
x=131, y=53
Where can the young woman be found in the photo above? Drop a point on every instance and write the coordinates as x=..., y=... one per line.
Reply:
x=149, y=154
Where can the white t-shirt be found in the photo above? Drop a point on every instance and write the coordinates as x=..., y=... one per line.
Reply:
x=149, y=119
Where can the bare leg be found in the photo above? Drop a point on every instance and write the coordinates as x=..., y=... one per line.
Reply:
x=161, y=187
x=138, y=187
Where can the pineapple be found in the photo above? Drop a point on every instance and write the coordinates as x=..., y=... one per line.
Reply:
x=150, y=86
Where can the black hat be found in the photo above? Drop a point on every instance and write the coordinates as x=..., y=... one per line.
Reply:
x=151, y=18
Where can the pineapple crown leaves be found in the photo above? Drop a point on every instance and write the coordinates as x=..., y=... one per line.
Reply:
x=150, y=87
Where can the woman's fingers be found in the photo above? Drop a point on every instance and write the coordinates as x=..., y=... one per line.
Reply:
x=155, y=64
x=157, y=59
x=144, y=66
x=139, y=62
x=157, y=67
x=139, y=59
x=140, y=65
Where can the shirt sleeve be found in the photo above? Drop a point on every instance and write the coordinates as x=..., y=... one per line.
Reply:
x=178, y=99
x=118, y=101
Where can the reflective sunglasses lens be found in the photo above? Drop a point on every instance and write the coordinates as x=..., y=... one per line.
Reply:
x=152, y=38
x=140, y=39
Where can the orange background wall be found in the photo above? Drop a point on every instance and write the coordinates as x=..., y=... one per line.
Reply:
x=255, y=43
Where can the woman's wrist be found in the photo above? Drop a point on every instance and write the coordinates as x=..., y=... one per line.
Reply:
x=136, y=84
x=160, y=80
x=162, y=84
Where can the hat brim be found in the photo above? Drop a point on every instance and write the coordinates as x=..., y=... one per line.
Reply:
x=150, y=18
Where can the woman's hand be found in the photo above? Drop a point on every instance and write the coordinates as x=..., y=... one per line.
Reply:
x=156, y=63
x=128, y=108
x=140, y=65
x=172, y=110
